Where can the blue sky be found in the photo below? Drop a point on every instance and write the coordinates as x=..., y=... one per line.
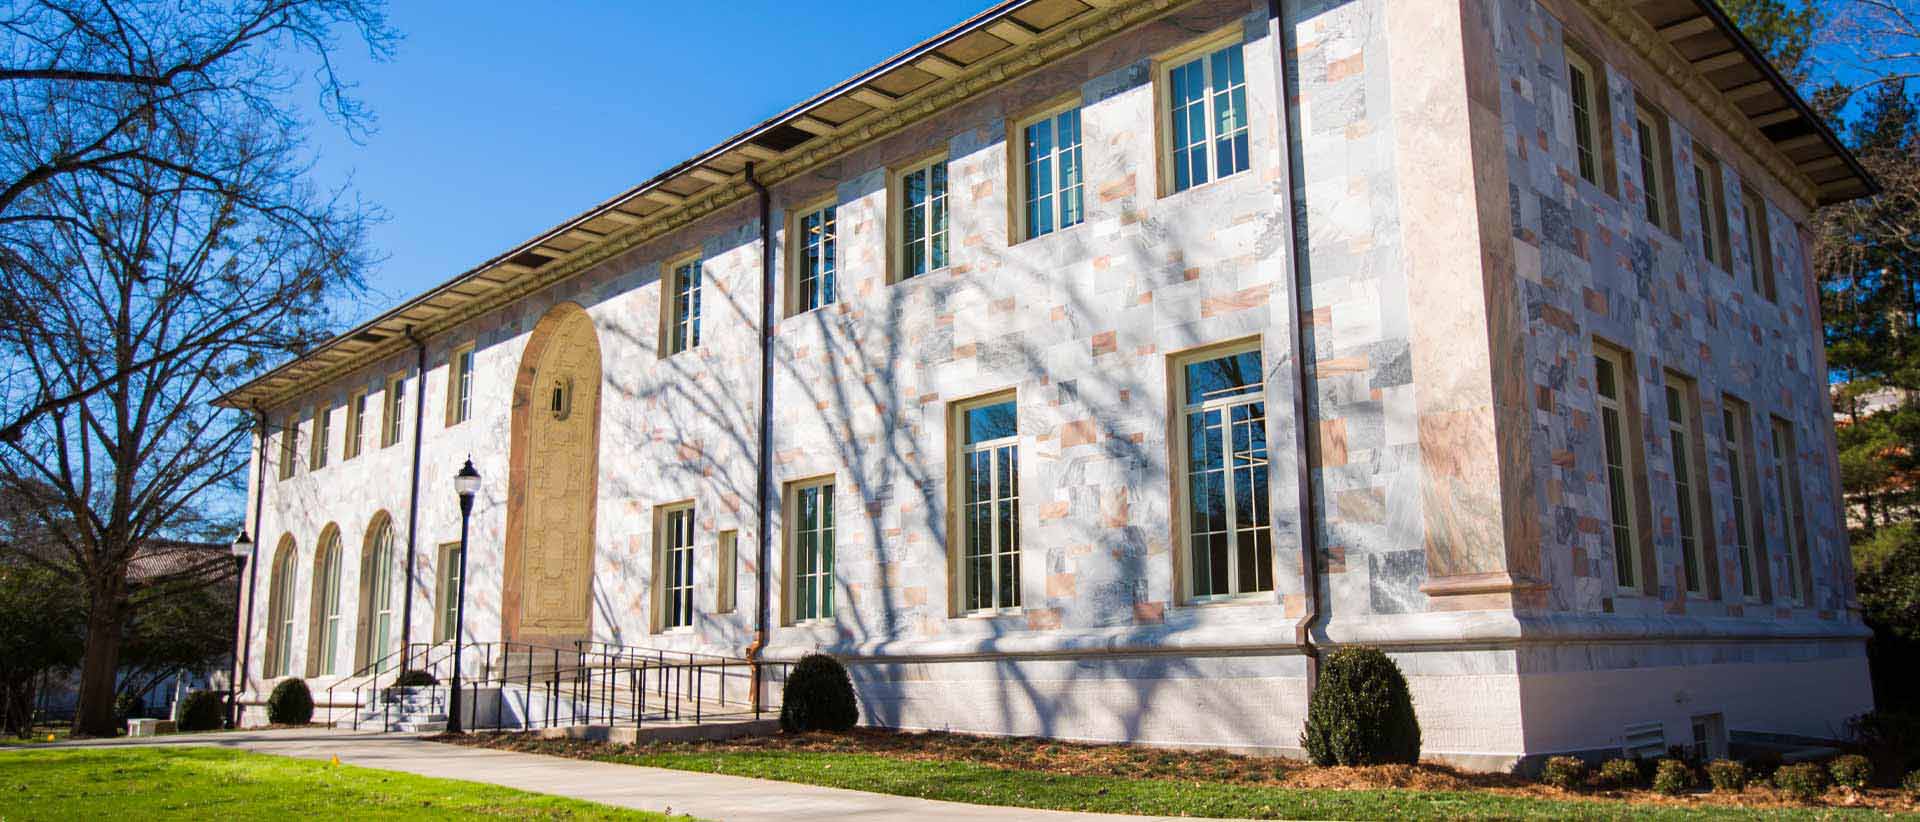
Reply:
x=497, y=121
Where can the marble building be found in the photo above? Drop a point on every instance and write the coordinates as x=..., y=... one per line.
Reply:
x=1090, y=368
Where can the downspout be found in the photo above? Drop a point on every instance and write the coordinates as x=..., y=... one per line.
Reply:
x=764, y=464
x=1301, y=353
x=413, y=496
x=253, y=561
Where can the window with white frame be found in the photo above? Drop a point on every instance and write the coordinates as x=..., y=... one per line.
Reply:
x=683, y=307
x=356, y=424
x=289, y=448
x=380, y=575
x=446, y=593
x=989, y=504
x=1759, y=244
x=317, y=456
x=326, y=607
x=1049, y=173
x=1710, y=199
x=1583, y=89
x=809, y=518
x=1206, y=118
x=460, y=385
x=1688, y=480
x=1612, y=375
x=394, y=420
x=675, y=540
x=1656, y=163
x=1228, y=521
x=280, y=611
x=726, y=558
x=1735, y=420
x=816, y=259
x=1793, y=530
x=921, y=208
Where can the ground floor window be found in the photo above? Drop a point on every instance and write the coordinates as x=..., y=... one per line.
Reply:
x=727, y=565
x=675, y=566
x=1224, y=471
x=989, y=503
x=446, y=593
x=809, y=517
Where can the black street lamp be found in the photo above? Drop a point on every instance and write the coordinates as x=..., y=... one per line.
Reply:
x=466, y=484
x=242, y=549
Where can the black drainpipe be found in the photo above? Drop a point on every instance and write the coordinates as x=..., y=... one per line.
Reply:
x=764, y=464
x=413, y=496
x=1302, y=354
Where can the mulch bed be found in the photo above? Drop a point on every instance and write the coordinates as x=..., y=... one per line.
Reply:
x=1139, y=762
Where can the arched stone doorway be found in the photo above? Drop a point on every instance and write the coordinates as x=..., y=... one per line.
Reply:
x=552, y=479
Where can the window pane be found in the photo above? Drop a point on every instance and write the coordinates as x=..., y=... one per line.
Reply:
x=1223, y=377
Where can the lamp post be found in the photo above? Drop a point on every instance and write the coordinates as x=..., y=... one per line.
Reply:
x=242, y=549
x=466, y=484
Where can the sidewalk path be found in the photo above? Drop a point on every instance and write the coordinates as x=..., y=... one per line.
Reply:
x=707, y=796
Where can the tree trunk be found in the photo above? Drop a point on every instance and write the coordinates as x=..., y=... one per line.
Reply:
x=94, y=716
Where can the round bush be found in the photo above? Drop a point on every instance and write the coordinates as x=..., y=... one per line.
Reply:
x=1727, y=775
x=1762, y=765
x=818, y=697
x=1620, y=773
x=1565, y=772
x=1852, y=771
x=415, y=678
x=290, y=703
x=1804, y=781
x=1361, y=713
x=202, y=711
x=1912, y=785
x=1672, y=777
x=126, y=706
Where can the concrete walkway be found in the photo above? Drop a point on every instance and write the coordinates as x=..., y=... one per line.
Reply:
x=707, y=796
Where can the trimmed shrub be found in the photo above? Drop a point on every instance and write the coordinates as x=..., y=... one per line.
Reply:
x=1728, y=776
x=1891, y=740
x=202, y=711
x=1852, y=771
x=1620, y=773
x=818, y=697
x=1362, y=712
x=1673, y=777
x=415, y=678
x=1565, y=772
x=1912, y=785
x=290, y=703
x=1762, y=764
x=1804, y=781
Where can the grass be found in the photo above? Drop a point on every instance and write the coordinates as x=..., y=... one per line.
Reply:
x=1031, y=773
x=214, y=783
x=39, y=736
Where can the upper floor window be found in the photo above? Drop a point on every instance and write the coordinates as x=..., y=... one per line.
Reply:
x=1049, y=172
x=683, y=307
x=393, y=419
x=989, y=504
x=1206, y=118
x=674, y=566
x=1759, y=244
x=1587, y=89
x=1736, y=422
x=1711, y=200
x=317, y=451
x=1689, y=485
x=809, y=521
x=356, y=424
x=1613, y=375
x=921, y=209
x=289, y=437
x=1227, y=520
x=816, y=259
x=460, y=385
x=1656, y=166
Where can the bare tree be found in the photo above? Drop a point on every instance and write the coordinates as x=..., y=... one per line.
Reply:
x=161, y=245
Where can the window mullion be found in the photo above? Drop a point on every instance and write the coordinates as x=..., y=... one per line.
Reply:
x=1233, y=509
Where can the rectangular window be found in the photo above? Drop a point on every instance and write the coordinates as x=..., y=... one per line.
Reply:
x=1689, y=483
x=1223, y=415
x=989, y=503
x=317, y=452
x=675, y=567
x=809, y=518
x=1584, y=87
x=460, y=385
x=1206, y=118
x=726, y=558
x=393, y=421
x=1656, y=166
x=1786, y=472
x=446, y=593
x=1759, y=245
x=289, y=437
x=1613, y=374
x=816, y=261
x=356, y=424
x=922, y=212
x=683, y=307
x=1049, y=173
x=1711, y=199
x=1736, y=422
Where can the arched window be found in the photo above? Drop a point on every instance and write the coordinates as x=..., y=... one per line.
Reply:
x=379, y=597
x=280, y=595
x=323, y=632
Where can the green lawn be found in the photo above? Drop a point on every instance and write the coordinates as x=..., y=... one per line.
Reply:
x=980, y=784
x=213, y=783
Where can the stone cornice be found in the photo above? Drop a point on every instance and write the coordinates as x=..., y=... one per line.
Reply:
x=1635, y=31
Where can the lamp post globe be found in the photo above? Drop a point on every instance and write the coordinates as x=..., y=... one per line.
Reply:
x=466, y=484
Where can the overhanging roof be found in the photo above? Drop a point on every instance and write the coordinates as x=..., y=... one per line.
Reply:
x=1003, y=41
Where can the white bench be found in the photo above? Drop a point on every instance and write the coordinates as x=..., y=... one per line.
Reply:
x=150, y=727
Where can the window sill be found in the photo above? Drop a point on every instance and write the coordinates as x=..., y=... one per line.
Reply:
x=992, y=613
x=1230, y=600
x=1206, y=185
x=905, y=279
x=1058, y=232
